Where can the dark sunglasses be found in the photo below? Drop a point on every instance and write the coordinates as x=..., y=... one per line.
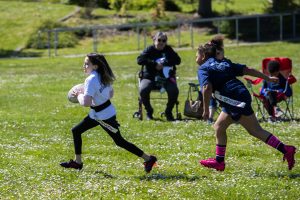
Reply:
x=162, y=40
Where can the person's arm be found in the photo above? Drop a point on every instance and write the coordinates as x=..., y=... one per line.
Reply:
x=145, y=58
x=173, y=58
x=84, y=100
x=206, y=88
x=264, y=88
x=253, y=72
x=206, y=93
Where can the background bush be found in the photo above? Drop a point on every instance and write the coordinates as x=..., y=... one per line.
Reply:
x=40, y=41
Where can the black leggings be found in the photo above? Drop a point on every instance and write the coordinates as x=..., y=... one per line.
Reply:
x=147, y=85
x=111, y=126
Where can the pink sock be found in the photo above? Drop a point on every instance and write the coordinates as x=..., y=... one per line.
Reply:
x=220, y=152
x=273, y=141
x=276, y=143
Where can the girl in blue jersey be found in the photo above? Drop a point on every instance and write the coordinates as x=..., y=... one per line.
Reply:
x=218, y=77
x=96, y=95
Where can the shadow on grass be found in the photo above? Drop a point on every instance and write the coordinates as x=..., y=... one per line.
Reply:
x=190, y=119
x=176, y=120
x=291, y=175
x=281, y=120
x=104, y=174
x=170, y=177
x=279, y=175
x=4, y=53
x=293, y=41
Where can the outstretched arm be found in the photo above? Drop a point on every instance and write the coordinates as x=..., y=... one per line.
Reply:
x=207, y=91
x=173, y=58
x=258, y=74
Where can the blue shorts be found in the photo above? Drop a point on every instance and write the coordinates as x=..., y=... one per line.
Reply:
x=237, y=113
x=241, y=94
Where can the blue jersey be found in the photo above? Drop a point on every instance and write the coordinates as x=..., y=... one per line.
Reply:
x=280, y=87
x=231, y=93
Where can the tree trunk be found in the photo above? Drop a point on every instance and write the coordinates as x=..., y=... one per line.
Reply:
x=204, y=8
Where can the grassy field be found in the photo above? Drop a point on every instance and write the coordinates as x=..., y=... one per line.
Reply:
x=36, y=119
x=19, y=20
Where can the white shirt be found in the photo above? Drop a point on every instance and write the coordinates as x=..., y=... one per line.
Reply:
x=100, y=94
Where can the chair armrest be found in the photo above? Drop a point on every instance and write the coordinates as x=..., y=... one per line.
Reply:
x=291, y=79
x=193, y=84
x=255, y=81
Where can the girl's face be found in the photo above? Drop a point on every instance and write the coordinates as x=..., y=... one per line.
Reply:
x=88, y=67
x=274, y=73
x=199, y=58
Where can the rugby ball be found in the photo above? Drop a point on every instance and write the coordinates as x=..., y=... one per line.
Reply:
x=71, y=97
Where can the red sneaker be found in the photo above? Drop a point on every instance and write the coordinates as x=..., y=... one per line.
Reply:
x=71, y=164
x=289, y=156
x=212, y=163
x=150, y=163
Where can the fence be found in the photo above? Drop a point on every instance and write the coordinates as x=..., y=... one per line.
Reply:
x=284, y=25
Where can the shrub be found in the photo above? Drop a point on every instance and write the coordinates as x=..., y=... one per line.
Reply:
x=172, y=6
x=269, y=28
x=142, y=4
x=39, y=39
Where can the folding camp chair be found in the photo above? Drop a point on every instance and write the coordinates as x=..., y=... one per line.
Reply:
x=160, y=95
x=285, y=102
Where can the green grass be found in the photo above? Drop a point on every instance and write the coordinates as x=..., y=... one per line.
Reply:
x=242, y=6
x=219, y=6
x=36, y=119
x=20, y=19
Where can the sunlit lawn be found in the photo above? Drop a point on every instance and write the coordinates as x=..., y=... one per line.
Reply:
x=36, y=119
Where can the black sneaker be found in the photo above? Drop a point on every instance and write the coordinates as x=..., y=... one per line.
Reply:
x=71, y=164
x=149, y=116
x=169, y=117
x=150, y=163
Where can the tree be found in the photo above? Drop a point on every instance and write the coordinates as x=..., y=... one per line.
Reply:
x=159, y=11
x=283, y=5
x=204, y=8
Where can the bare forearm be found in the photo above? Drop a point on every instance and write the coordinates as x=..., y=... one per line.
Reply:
x=85, y=101
x=253, y=72
x=207, y=91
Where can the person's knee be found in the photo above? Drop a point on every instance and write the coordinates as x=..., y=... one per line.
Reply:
x=173, y=93
x=119, y=142
x=216, y=126
x=219, y=127
x=145, y=92
x=75, y=131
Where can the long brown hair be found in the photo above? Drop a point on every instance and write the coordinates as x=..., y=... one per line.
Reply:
x=218, y=41
x=104, y=70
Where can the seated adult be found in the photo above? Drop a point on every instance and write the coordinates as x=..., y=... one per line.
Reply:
x=156, y=58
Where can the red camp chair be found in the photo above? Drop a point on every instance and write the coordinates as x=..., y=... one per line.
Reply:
x=285, y=102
